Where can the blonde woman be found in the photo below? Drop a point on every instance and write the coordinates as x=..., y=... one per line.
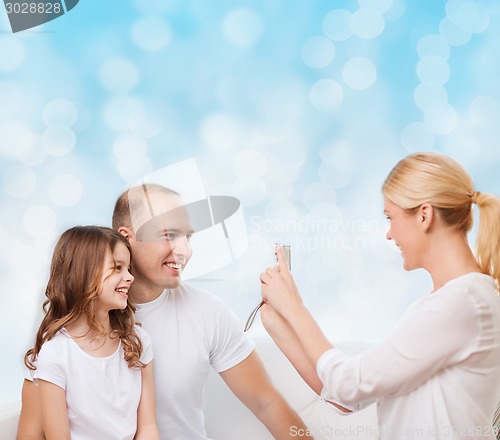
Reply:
x=437, y=375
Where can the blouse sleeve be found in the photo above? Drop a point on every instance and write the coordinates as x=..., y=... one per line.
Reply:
x=437, y=331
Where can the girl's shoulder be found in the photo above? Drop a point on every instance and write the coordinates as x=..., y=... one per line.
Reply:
x=142, y=334
x=59, y=340
x=56, y=350
x=147, y=345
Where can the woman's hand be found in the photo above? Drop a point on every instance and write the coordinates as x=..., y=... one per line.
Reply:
x=278, y=288
x=273, y=322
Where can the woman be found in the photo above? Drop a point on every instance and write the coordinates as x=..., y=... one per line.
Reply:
x=437, y=375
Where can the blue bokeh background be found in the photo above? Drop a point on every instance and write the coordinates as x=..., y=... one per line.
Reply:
x=299, y=109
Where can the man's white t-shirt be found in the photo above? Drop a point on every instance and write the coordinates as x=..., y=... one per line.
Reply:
x=437, y=376
x=102, y=393
x=191, y=330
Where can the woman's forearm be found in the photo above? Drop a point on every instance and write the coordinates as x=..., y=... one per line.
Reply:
x=287, y=341
x=308, y=332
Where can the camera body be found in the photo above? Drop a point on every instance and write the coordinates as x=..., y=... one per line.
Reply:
x=286, y=251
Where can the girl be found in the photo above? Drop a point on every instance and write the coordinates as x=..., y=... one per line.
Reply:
x=438, y=373
x=93, y=366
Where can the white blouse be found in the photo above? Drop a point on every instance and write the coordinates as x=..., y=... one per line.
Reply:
x=437, y=376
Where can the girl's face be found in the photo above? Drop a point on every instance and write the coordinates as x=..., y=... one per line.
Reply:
x=116, y=279
x=405, y=232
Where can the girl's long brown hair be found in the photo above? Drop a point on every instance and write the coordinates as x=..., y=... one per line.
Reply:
x=74, y=288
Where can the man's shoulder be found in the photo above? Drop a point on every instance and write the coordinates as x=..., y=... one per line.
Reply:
x=198, y=294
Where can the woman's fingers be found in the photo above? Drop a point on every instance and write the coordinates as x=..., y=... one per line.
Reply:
x=266, y=276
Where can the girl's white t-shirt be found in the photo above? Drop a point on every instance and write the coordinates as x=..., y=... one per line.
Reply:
x=102, y=393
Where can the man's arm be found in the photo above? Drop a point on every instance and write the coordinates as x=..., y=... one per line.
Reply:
x=30, y=420
x=250, y=383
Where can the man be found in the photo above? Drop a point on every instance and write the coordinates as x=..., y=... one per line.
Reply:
x=191, y=329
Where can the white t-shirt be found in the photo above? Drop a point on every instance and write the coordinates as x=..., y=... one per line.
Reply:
x=437, y=376
x=102, y=393
x=191, y=330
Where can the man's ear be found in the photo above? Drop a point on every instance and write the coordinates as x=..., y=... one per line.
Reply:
x=126, y=232
x=426, y=216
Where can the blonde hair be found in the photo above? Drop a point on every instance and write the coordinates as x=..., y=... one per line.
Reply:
x=444, y=183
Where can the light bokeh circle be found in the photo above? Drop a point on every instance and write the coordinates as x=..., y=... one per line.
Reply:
x=12, y=130
x=417, y=136
x=433, y=70
x=133, y=166
x=221, y=131
x=452, y=33
x=249, y=189
x=337, y=25
x=469, y=15
x=12, y=53
x=60, y=112
x=379, y=5
x=249, y=162
x=151, y=33
x=13, y=98
x=30, y=151
x=243, y=26
x=485, y=112
x=129, y=143
x=58, y=140
x=433, y=44
x=119, y=75
x=367, y=23
x=426, y=95
x=39, y=221
x=359, y=73
x=119, y=111
x=326, y=94
x=441, y=118
x=65, y=190
x=317, y=52
x=19, y=181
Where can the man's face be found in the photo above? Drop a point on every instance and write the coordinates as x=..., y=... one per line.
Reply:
x=160, y=245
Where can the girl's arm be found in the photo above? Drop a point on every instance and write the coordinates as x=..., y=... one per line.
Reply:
x=54, y=412
x=147, y=428
x=30, y=420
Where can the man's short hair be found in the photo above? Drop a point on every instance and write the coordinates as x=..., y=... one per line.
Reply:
x=131, y=203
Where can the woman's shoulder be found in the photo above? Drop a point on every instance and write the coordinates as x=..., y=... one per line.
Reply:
x=473, y=287
x=466, y=298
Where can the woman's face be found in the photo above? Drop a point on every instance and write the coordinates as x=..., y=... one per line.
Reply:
x=407, y=235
